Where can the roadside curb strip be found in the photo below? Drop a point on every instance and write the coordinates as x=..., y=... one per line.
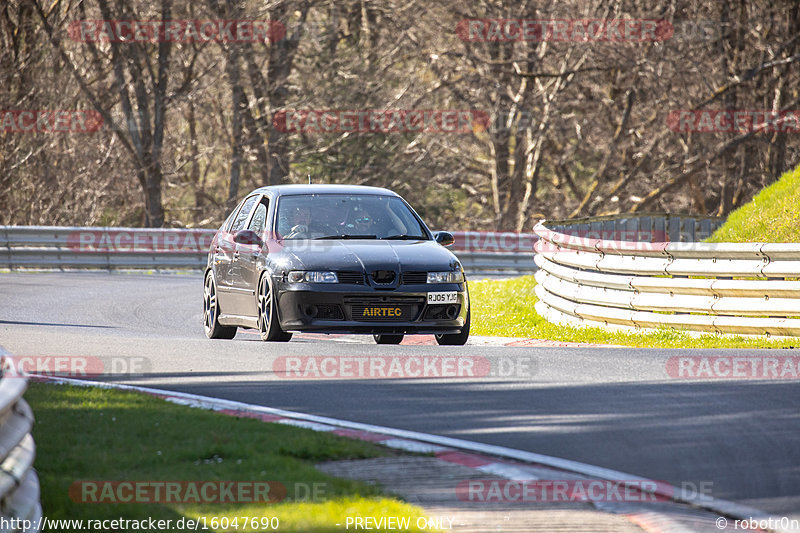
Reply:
x=474, y=340
x=497, y=460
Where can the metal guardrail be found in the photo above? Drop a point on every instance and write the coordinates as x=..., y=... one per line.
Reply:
x=63, y=248
x=19, y=485
x=643, y=226
x=57, y=247
x=481, y=252
x=740, y=288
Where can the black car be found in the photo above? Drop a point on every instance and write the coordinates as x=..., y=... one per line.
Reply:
x=333, y=258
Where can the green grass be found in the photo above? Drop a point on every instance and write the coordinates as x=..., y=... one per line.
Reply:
x=505, y=308
x=772, y=216
x=98, y=434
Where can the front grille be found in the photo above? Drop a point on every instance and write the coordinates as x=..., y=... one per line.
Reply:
x=414, y=278
x=383, y=312
x=371, y=308
x=383, y=277
x=351, y=278
x=384, y=300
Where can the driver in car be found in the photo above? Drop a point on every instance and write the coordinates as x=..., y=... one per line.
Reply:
x=300, y=220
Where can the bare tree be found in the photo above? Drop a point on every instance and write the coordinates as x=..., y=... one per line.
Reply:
x=577, y=127
x=140, y=82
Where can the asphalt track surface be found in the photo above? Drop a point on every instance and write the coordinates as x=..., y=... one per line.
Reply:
x=611, y=407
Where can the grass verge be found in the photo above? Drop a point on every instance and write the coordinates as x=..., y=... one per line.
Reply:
x=773, y=215
x=505, y=308
x=98, y=434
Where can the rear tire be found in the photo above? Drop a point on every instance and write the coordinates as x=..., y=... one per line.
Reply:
x=214, y=330
x=455, y=339
x=387, y=339
x=268, y=326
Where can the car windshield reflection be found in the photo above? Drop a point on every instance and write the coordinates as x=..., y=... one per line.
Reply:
x=340, y=216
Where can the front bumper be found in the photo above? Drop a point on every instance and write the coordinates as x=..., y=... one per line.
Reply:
x=328, y=308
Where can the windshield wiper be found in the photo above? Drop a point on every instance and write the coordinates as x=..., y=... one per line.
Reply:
x=404, y=237
x=346, y=236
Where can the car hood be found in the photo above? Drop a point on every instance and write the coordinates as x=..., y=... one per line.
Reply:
x=369, y=255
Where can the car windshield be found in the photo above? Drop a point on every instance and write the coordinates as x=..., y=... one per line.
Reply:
x=343, y=216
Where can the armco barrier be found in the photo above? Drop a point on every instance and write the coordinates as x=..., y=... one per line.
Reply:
x=742, y=288
x=103, y=247
x=19, y=485
x=673, y=228
x=55, y=247
x=481, y=252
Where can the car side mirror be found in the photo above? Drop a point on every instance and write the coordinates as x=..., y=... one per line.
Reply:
x=445, y=238
x=248, y=237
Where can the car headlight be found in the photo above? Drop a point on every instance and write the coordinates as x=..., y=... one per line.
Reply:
x=316, y=276
x=446, y=277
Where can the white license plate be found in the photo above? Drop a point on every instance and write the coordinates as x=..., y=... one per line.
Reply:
x=449, y=297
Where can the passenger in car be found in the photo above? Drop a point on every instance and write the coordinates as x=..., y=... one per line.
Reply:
x=364, y=222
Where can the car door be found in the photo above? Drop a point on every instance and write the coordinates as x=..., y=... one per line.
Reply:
x=228, y=269
x=223, y=252
x=248, y=261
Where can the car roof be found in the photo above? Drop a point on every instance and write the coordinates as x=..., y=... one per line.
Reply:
x=323, y=188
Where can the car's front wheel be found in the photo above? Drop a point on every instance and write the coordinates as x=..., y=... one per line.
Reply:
x=387, y=339
x=455, y=339
x=214, y=330
x=268, y=325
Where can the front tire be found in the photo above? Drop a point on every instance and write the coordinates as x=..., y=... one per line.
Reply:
x=455, y=339
x=268, y=326
x=387, y=339
x=214, y=330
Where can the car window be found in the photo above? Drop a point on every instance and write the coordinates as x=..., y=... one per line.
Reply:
x=243, y=214
x=226, y=227
x=403, y=220
x=309, y=216
x=259, y=216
